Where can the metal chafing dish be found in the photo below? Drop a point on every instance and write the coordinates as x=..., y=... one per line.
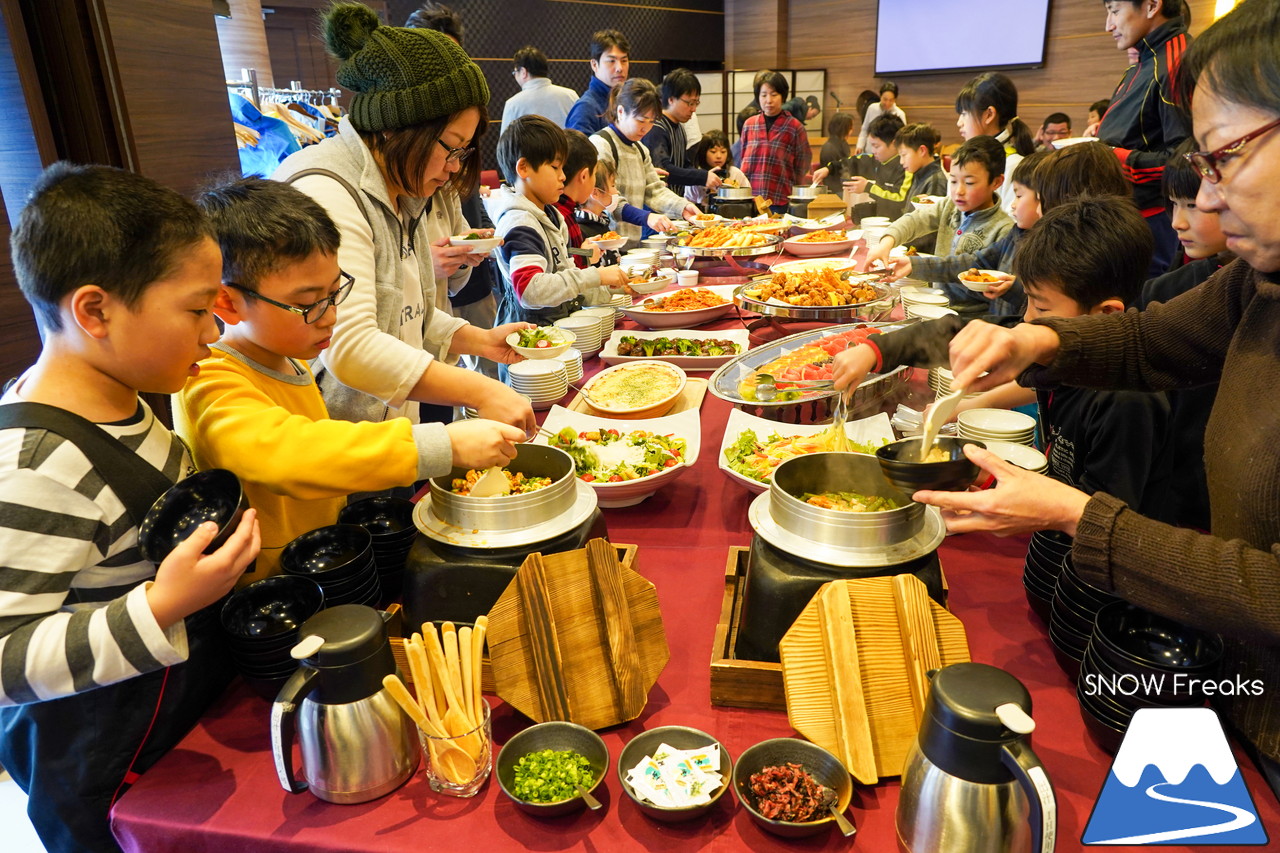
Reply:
x=734, y=193
x=871, y=309
x=725, y=382
x=771, y=245
x=510, y=512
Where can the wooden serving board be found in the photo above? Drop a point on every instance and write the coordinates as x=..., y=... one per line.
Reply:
x=577, y=636
x=854, y=664
x=691, y=398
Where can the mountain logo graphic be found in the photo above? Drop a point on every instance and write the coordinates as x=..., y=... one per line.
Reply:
x=1174, y=781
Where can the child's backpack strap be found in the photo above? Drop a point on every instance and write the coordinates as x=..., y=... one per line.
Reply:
x=134, y=480
x=612, y=145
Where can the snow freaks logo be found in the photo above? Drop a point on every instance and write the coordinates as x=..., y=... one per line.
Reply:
x=1174, y=781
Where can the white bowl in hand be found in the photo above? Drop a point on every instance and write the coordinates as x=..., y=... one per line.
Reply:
x=559, y=341
x=478, y=245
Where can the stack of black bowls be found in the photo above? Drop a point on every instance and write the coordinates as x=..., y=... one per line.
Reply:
x=261, y=623
x=339, y=558
x=390, y=523
x=1135, y=660
x=1075, y=604
x=1045, y=553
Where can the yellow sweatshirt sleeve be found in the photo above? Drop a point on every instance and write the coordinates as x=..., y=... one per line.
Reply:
x=280, y=436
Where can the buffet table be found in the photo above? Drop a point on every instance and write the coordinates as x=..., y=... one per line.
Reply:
x=217, y=791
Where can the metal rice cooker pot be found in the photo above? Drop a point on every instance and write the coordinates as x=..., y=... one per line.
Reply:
x=733, y=202
x=798, y=200
x=356, y=743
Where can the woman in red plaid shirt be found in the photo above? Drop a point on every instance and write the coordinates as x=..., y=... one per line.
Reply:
x=775, y=147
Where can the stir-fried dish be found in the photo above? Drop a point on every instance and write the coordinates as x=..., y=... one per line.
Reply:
x=520, y=484
x=850, y=501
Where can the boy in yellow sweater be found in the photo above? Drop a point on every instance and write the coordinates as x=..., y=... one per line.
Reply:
x=255, y=409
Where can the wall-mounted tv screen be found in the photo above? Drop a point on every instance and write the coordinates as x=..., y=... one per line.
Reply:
x=928, y=36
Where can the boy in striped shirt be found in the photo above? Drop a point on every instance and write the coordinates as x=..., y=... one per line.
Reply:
x=94, y=640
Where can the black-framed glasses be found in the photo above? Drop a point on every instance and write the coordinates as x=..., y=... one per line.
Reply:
x=1209, y=163
x=456, y=155
x=310, y=313
x=695, y=103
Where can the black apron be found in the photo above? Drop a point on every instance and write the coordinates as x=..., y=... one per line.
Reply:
x=76, y=755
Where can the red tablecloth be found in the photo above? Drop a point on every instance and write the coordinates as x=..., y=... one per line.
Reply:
x=217, y=791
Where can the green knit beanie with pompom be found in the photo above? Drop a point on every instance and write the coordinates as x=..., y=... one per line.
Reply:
x=400, y=76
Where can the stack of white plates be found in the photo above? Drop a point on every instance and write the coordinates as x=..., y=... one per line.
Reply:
x=621, y=300
x=588, y=331
x=641, y=257
x=1020, y=455
x=915, y=298
x=873, y=228
x=543, y=381
x=929, y=312
x=572, y=364
x=940, y=382
x=997, y=425
x=605, y=315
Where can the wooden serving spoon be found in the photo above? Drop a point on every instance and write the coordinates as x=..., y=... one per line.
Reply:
x=452, y=761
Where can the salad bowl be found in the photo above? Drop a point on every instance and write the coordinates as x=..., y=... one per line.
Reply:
x=669, y=431
x=542, y=342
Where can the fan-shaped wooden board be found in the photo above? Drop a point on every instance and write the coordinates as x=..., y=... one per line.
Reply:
x=856, y=685
x=596, y=697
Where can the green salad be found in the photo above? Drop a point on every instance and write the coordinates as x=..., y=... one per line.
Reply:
x=549, y=776
x=608, y=456
x=539, y=338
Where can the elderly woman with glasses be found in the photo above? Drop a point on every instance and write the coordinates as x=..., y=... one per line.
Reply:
x=419, y=105
x=634, y=107
x=1227, y=330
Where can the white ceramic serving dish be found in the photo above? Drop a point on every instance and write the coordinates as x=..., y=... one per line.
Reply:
x=683, y=319
x=803, y=249
x=686, y=425
x=654, y=408
x=873, y=429
x=609, y=354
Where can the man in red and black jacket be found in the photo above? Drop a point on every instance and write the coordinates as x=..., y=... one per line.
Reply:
x=1143, y=125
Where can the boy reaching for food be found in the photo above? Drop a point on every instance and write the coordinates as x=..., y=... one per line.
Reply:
x=1086, y=256
x=540, y=283
x=968, y=218
x=255, y=408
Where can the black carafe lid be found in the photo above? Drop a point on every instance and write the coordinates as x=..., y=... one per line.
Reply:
x=354, y=655
x=967, y=720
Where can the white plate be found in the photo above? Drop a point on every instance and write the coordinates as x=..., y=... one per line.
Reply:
x=836, y=264
x=566, y=340
x=1020, y=455
x=1073, y=140
x=920, y=205
x=665, y=277
x=741, y=337
x=614, y=243
x=429, y=523
x=996, y=420
x=873, y=429
x=805, y=249
x=712, y=219
x=931, y=534
x=684, y=319
x=686, y=425
x=535, y=372
x=979, y=286
x=482, y=245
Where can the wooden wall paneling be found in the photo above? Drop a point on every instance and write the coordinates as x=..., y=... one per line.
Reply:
x=19, y=339
x=26, y=141
x=756, y=33
x=242, y=41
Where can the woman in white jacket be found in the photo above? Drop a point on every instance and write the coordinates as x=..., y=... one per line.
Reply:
x=634, y=106
x=419, y=104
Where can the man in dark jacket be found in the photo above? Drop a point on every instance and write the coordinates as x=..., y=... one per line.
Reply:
x=1143, y=125
x=610, y=66
x=681, y=94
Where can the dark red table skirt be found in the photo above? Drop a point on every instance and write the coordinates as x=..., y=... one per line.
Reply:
x=217, y=791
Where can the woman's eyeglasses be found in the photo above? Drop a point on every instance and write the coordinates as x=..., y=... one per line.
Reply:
x=456, y=155
x=310, y=313
x=1209, y=163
